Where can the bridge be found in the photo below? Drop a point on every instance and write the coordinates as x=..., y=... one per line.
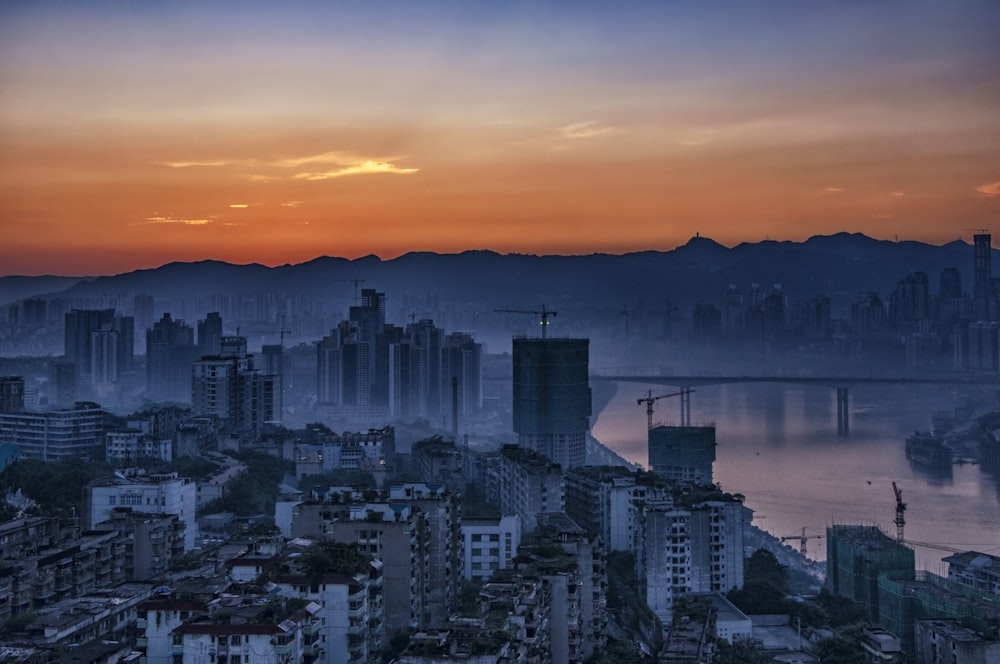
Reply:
x=840, y=383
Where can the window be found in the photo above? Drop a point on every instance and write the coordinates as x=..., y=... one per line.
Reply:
x=235, y=640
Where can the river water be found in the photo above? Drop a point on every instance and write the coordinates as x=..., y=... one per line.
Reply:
x=778, y=445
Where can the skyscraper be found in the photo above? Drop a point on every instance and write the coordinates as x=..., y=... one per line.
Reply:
x=552, y=404
x=170, y=350
x=100, y=345
x=983, y=291
x=210, y=334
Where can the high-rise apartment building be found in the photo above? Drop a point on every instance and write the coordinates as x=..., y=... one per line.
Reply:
x=210, y=335
x=100, y=345
x=170, y=350
x=229, y=387
x=552, y=401
x=983, y=290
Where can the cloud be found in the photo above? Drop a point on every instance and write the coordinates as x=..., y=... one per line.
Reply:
x=171, y=220
x=897, y=194
x=291, y=204
x=345, y=163
x=239, y=205
x=991, y=189
x=191, y=164
x=370, y=166
x=589, y=129
x=834, y=190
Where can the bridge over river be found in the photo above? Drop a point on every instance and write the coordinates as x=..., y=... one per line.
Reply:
x=842, y=384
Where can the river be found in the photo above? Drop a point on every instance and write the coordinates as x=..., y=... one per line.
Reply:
x=778, y=445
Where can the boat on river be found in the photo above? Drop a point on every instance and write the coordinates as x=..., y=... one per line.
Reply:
x=926, y=448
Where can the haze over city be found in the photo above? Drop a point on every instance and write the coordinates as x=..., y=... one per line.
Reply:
x=132, y=135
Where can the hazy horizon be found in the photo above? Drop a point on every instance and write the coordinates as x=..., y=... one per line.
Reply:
x=388, y=258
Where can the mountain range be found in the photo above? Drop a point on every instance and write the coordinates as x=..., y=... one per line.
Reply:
x=842, y=266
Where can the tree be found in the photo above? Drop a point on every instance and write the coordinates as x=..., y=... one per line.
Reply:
x=741, y=651
x=844, y=647
x=764, y=566
x=617, y=652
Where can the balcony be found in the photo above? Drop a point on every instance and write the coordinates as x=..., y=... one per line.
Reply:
x=140, y=623
x=284, y=648
x=141, y=642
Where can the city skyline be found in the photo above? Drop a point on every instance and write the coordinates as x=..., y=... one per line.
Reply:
x=134, y=136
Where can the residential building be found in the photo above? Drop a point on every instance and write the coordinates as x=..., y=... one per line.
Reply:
x=689, y=543
x=128, y=446
x=158, y=493
x=153, y=541
x=350, y=611
x=72, y=433
x=489, y=544
x=170, y=350
x=972, y=569
x=950, y=642
x=529, y=483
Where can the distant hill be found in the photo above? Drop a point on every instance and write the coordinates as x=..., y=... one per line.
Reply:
x=842, y=266
x=17, y=288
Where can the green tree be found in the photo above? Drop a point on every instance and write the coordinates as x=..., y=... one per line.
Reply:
x=741, y=651
x=617, y=652
x=840, y=610
x=844, y=647
x=762, y=565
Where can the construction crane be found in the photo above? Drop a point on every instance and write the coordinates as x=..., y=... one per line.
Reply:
x=900, y=519
x=649, y=400
x=929, y=545
x=802, y=538
x=351, y=281
x=544, y=313
x=281, y=334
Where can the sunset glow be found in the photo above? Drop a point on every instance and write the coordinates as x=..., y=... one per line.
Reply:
x=135, y=134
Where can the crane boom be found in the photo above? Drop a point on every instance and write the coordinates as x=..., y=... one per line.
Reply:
x=649, y=400
x=544, y=313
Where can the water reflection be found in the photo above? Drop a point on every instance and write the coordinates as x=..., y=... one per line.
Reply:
x=778, y=445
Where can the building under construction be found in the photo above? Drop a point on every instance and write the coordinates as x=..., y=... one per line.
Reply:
x=906, y=603
x=856, y=556
x=682, y=454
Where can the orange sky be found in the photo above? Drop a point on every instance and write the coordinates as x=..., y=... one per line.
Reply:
x=134, y=136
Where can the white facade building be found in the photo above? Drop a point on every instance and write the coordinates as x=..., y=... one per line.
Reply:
x=163, y=493
x=129, y=445
x=489, y=544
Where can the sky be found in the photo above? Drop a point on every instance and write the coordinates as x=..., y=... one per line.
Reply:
x=133, y=134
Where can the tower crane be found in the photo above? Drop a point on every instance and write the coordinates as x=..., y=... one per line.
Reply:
x=281, y=334
x=802, y=538
x=352, y=281
x=649, y=400
x=900, y=519
x=544, y=313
